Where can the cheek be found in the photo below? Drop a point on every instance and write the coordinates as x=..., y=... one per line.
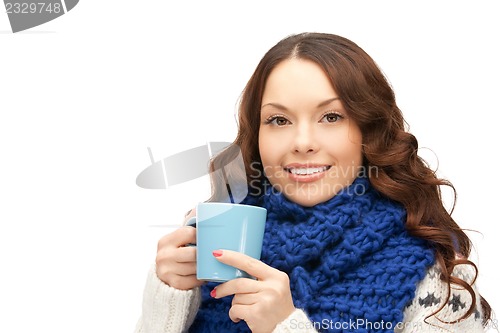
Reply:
x=347, y=150
x=353, y=143
x=265, y=151
x=270, y=154
x=351, y=154
x=262, y=146
x=268, y=158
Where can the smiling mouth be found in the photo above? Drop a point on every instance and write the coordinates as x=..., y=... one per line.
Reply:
x=307, y=171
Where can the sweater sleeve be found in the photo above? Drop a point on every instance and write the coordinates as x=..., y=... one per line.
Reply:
x=431, y=294
x=166, y=309
x=297, y=322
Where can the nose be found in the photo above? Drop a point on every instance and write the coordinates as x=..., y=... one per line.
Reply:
x=305, y=141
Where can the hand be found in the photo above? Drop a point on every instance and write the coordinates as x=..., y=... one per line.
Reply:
x=262, y=303
x=175, y=262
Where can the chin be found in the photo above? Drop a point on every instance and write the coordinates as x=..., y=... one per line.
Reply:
x=307, y=201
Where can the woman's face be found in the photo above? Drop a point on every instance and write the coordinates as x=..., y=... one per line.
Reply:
x=309, y=147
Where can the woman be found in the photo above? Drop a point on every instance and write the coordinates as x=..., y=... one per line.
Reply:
x=357, y=238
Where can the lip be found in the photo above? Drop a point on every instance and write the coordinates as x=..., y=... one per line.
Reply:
x=306, y=178
x=306, y=165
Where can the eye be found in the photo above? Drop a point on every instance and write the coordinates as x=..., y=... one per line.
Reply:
x=331, y=117
x=277, y=121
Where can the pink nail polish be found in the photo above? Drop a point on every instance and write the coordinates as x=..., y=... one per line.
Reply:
x=216, y=253
x=213, y=293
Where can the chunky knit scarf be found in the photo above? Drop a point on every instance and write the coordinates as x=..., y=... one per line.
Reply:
x=352, y=265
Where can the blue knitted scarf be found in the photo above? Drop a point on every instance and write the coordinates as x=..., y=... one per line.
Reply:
x=352, y=265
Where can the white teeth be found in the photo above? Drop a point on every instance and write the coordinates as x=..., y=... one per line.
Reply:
x=307, y=171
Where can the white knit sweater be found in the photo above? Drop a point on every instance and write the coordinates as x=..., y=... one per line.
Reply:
x=168, y=310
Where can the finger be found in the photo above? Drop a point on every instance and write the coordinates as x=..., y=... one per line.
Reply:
x=237, y=286
x=183, y=282
x=238, y=312
x=192, y=282
x=186, y=254
x=245, y=299
x=179, y=237
x=246, y=263
x=182, y=269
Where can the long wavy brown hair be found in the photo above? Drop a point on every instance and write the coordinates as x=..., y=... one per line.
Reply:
x=369, y=100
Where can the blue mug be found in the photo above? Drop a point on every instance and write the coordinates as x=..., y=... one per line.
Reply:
x=226, y=226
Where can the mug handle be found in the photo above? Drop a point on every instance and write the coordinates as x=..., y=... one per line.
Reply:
x=191, y=223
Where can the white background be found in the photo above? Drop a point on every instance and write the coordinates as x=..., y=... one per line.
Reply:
x=83, y=96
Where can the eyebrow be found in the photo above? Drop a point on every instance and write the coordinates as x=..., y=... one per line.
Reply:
x=281, y=107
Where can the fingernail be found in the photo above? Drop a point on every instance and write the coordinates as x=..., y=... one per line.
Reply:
x=213, y=293
x=217, y=253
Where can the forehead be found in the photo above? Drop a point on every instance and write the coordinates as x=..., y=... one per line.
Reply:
x=295, y=80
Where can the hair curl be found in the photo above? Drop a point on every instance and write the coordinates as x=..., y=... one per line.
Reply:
x=370, y=101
